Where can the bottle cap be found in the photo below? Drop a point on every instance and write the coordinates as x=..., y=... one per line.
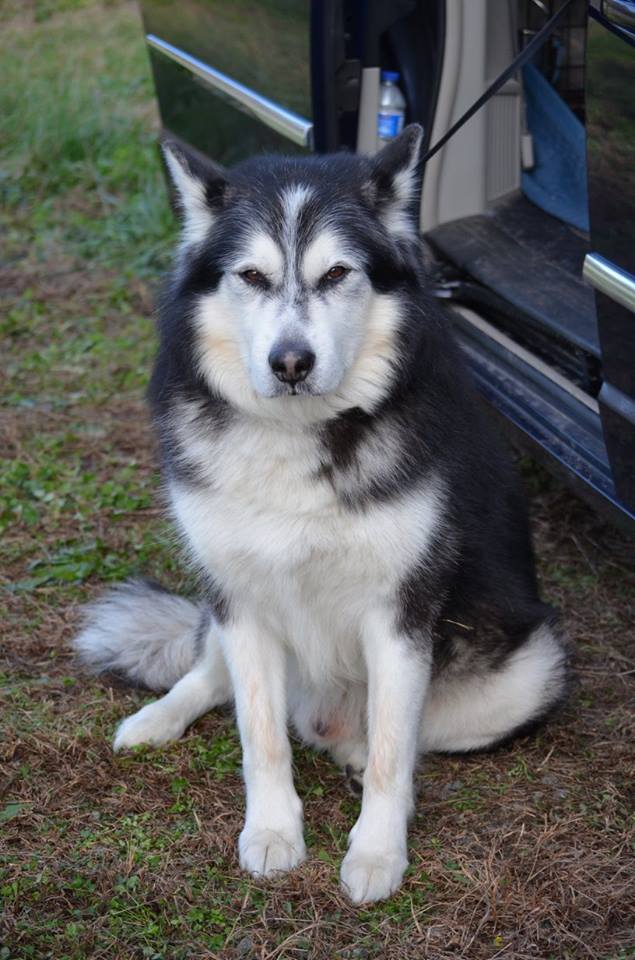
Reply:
x=390, y=75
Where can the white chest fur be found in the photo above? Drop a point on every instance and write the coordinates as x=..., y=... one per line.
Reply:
x=270, y=530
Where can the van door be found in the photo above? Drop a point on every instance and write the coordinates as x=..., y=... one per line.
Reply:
x=610, y=266
x=232, y=79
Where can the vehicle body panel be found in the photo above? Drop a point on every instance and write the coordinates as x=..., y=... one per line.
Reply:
x=237, y=79
x=611, y=180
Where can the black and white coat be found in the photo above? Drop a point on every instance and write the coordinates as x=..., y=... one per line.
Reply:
x=360, y=532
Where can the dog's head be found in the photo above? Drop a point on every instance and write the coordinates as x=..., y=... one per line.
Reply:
x=293, y=267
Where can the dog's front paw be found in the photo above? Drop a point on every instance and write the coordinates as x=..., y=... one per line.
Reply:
x=264, y=853
x=368, y=876
x=153, y=724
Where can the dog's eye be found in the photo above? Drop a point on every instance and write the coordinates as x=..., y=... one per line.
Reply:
x=254, y=277
x=336, y=272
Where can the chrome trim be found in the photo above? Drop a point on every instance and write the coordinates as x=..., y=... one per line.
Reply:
x=288, y=124
x=620, y=12
x=476, y=320
x=610, y=280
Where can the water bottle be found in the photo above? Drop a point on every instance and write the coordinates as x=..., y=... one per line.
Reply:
x=392, y=107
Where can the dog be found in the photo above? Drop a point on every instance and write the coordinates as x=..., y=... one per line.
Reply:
x=363, y=542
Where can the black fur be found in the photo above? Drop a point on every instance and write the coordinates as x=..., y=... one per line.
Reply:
x=479, y=584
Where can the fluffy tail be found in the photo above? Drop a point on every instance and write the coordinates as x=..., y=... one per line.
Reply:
x=479, y=709
x=141, y=632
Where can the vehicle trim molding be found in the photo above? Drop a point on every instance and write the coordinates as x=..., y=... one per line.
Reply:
x=610, y=280
x=533, y=361
x=621, y=12
x=285, y=122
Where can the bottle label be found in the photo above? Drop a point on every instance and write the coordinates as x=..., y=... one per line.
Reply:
x=389, y=125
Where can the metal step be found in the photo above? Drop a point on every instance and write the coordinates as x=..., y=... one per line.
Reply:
x=531, y=265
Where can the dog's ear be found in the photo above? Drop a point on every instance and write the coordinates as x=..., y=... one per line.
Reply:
x=394, y=182
x=200, y=187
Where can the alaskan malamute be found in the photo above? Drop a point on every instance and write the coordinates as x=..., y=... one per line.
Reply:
x=363, y=543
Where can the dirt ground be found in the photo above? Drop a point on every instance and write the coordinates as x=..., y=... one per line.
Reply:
x=525, y=853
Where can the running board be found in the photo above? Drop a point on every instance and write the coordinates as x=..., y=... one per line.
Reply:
x=548, y=413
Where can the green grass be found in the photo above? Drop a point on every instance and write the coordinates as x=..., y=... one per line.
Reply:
x=78, y=155
x=84, y=220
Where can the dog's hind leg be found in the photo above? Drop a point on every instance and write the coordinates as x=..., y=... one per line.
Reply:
x=352, y=757
x=206, y=685
x=480, y=708
x=332, y=718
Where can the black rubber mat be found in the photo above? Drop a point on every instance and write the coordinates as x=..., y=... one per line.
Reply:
x=530, y=260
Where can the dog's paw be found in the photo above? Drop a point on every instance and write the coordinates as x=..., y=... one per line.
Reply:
x=153, y=724
x=350, y=755
x=354, y=781
x=265, y=853
x=372, y=876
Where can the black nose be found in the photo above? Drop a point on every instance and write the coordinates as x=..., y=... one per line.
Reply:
x=291, y=362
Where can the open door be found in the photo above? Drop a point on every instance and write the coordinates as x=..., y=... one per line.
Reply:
x=610, y=266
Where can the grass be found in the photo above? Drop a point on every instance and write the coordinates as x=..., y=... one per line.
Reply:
x=526, y=853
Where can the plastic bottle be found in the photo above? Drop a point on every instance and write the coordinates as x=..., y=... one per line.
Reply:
x=392, y=107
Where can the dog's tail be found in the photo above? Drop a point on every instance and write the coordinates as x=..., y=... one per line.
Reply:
x=143, y=633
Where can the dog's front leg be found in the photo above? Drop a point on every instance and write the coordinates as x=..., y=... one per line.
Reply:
x=271, y=840
x=398, y=677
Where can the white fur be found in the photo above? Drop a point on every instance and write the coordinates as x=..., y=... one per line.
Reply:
x=327, y=250
x=395, y=215
x=379, y=455
x=293, y=200
x=404, y=185
x=262, y=253
x=234, y=345
x=398, y=677
x=307, y=579
x=269, y=529
x=271, y=839
x=313, y=588
x=205, y=686
x=249, y=323
x=467, y=713
x=239, y=323
x=197, y=216
x=141, y=633
x=313, y=636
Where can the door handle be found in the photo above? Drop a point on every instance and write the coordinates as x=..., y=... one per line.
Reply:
x=620, y=12
x=610, y=280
